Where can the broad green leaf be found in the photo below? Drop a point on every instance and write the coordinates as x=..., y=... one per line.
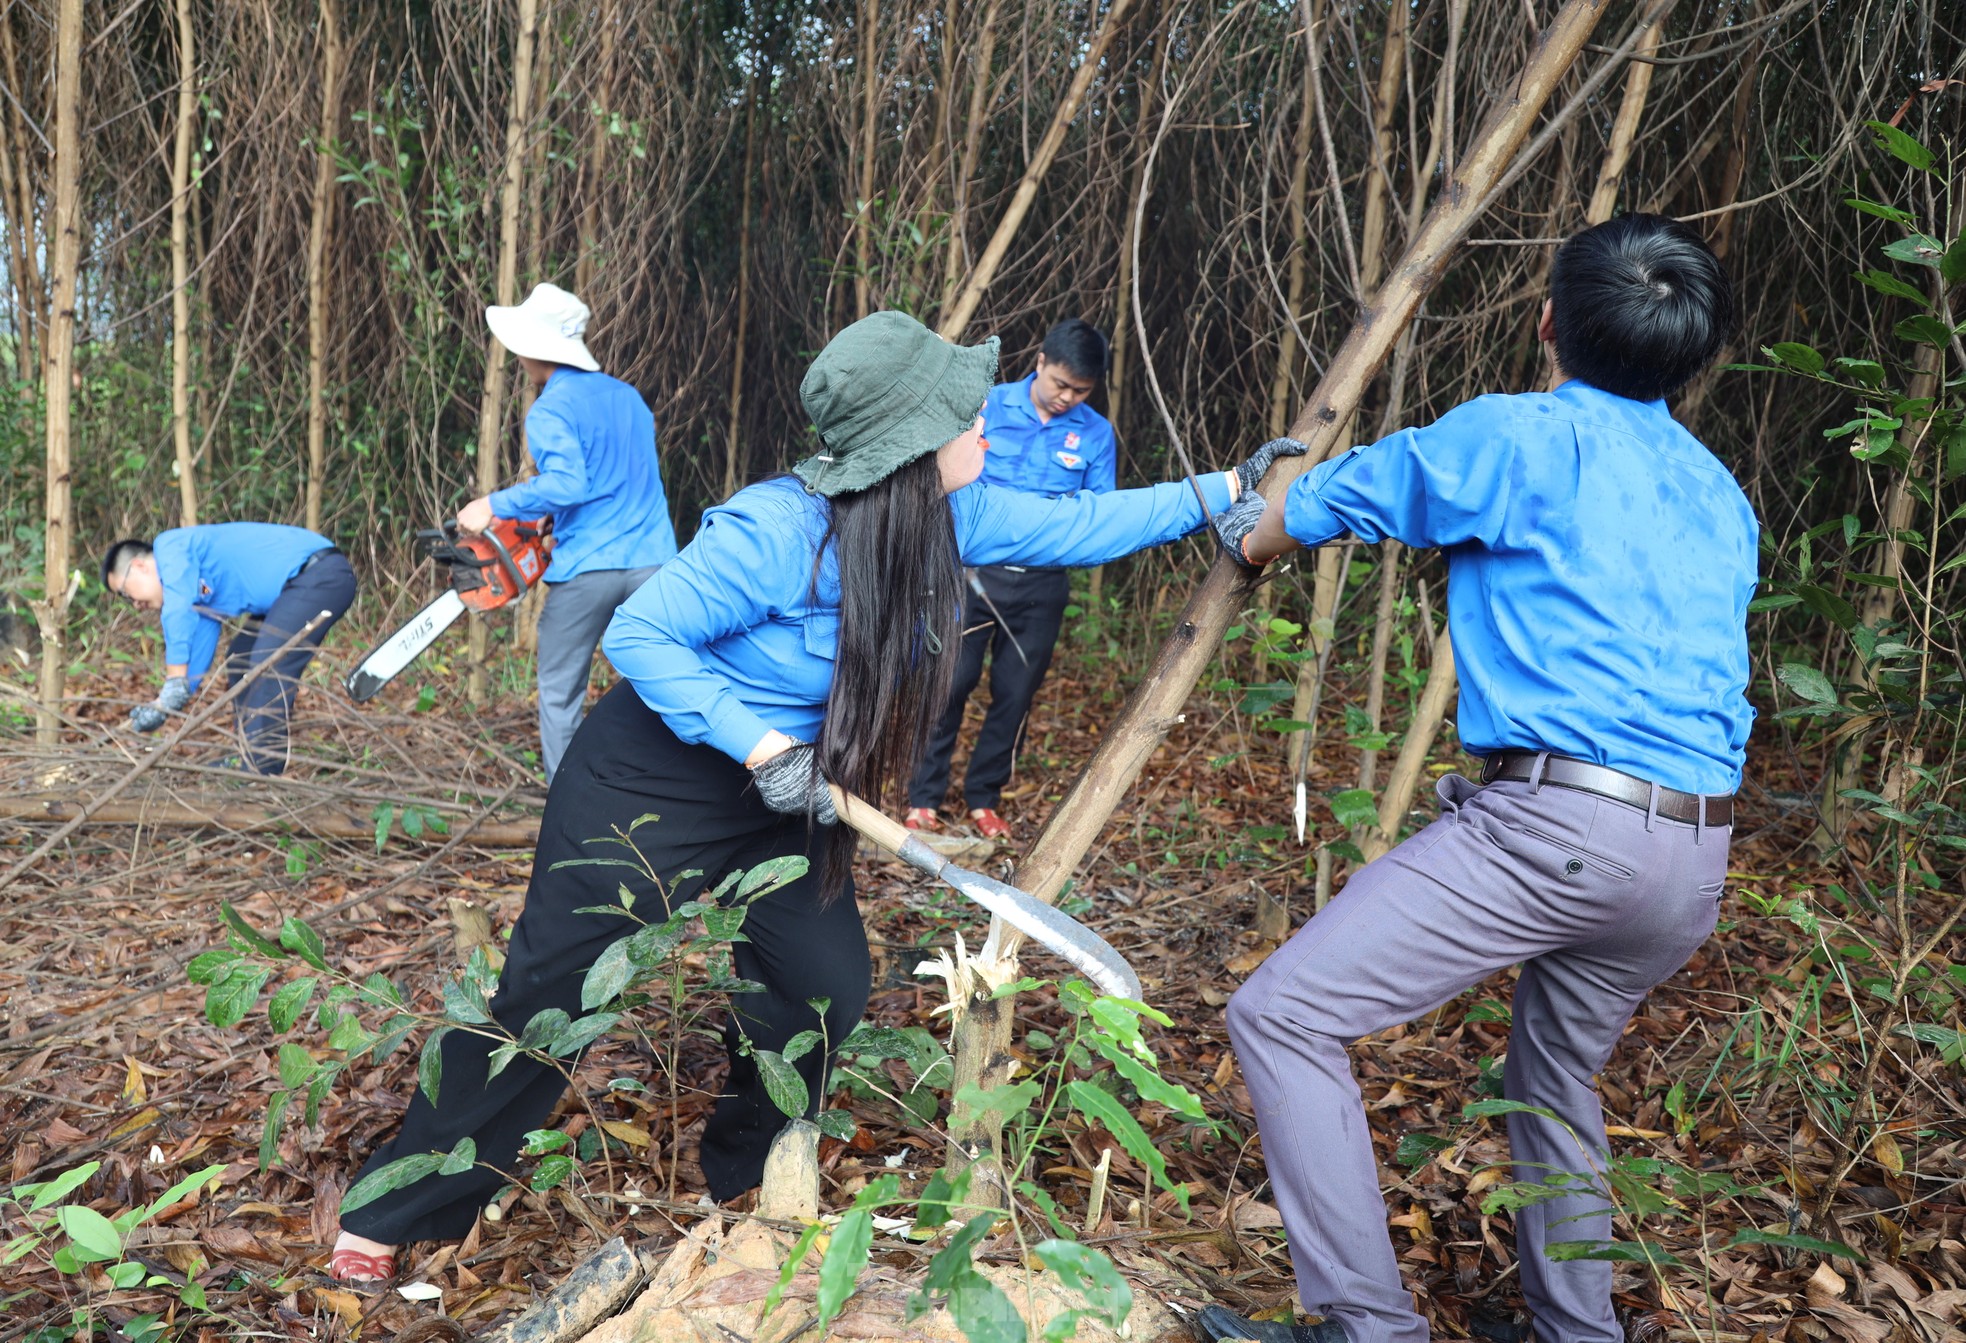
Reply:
x=460, y=1158
x=545, y=1027
x=95, y=1239
x=1749, y=1236
x=1900, y=145
x=1355, y=808
x=1807, y=682
x=1090, y=1274
x=1260, y=699
x=285, y=1006
x=939, y=1195
x=1886, y=283
x=1952, y=266
x=1827, y=605
x=1417, y=1149
x=385, y=815
x=41, y=1195
x=209, y=966
x=303, y=942
x=295, y=1065
x=983, y=1312
x=783, y=1084
x=1495, y=1105
x=611, y=972
x=1146, y=1079
x=1881, y=211
x=800, y=1045
x=1775, y=602
x=1049, y=1207
x=837, y=1124
x=430, y=1064
x=846, y=1259
x=1009, y=1100
x=183, y=1189
x=579, y=1034
x=1099, y=1105
x=249, y=934
x=1924, y=329
x=228, y=1000
x=771, y=874
x=348, y=1034
x=406, y=1170
x=552, y=1171
x=1617, y=1251
x=1799, y=357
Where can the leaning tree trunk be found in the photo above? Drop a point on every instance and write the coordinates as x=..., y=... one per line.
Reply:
x=491, y=410
x=982, y=1023
x=320, y=223
x=181, y=188
x=957, y=318
x=1404, y=782
x=51, y=610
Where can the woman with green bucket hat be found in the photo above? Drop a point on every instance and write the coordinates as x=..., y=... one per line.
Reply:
x=807, y=634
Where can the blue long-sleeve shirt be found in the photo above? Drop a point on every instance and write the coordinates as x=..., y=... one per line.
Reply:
x=733, y=637
x=1599, y=567
x=592, y=440
x=223, y=569
x=1073, y=451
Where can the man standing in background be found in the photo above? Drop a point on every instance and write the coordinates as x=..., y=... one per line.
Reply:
x=1043, y=439
x=592, y=440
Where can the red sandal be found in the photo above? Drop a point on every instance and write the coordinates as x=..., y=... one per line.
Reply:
x=358, y=1268
x=922, y=818
x=989, y=824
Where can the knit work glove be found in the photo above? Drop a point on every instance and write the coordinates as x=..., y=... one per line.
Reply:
x=1234, y=524
x=171, y=699
x=1252, y=471
x=791, y=782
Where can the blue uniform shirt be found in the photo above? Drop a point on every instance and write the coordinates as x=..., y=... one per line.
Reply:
x=1599, y=567
x=223, y=569
x=592, y=439
x=730, y=639
x=1075, y=451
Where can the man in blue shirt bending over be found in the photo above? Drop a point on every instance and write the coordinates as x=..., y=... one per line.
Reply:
x=279, y=578
x=1600, y=562
x=1043, y=439
x=592, y=438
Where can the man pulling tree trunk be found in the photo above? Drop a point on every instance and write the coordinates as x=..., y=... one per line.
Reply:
x=1043, y=439
x=592, y=439
x=1600, y=563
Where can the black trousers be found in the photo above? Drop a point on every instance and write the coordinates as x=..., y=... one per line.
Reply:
x=327, y=584
x=624, y=764
x=1031, y=604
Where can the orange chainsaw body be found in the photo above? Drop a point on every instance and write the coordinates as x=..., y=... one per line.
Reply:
x=494, y=567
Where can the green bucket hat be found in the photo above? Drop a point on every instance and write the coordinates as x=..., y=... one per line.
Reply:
x=885, y=392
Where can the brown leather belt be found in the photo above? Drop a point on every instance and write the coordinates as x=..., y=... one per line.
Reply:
x=1588, y=778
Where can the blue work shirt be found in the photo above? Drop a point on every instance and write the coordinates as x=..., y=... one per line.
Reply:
x=223, y=569
x=731, y=640
x=1073, y=451
x=1599, y=567
x=592, y=440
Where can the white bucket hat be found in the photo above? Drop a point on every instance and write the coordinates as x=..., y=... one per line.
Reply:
x=548, y=325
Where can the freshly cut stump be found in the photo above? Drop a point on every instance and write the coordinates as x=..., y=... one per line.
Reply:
x=712, y=1288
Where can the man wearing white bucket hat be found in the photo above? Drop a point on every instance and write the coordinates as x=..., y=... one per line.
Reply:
x=592, y=439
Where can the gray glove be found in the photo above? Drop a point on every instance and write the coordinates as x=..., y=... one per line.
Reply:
x=1252, y=471
x=171, y=699
x=791, y=782
x=1234, y=524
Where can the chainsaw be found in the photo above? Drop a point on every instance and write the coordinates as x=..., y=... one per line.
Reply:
x=488, y=569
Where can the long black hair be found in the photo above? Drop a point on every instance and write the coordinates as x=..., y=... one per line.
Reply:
x=900, y=631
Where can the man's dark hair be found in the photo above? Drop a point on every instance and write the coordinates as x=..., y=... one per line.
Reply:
x=1079, y=346
x=117, y=559
x=1642, y=304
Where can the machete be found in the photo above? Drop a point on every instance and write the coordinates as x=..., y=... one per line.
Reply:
x=1088, y=953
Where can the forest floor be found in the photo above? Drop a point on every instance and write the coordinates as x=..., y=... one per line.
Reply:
x=1741, y=1067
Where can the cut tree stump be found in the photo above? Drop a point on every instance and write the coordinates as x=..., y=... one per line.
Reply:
x=712, y=1287
x=587, y=1296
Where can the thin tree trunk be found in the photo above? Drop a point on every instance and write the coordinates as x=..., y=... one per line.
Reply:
x=985, y=270
x=1379, y=181
x=34, y=297
x=51, y=610
x=863, y=207
x=1638, y=82
x=19, y=243
x=1300, y=240
x=592, y=181
x=733, y=433
x=187, y=112
x=319, y=229
x=1383, y=615
x=1117, y=380
x=491, y=409
x=979, y=116
x=531, y=604
x=1157, y=703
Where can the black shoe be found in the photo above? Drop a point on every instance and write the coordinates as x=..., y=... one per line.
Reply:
x=1219, y=1325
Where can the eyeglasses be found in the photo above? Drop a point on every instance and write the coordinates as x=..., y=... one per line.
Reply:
x=125, y=595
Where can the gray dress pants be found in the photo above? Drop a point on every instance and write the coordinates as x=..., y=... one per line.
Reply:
x=570, y=628
x=1597, y=904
